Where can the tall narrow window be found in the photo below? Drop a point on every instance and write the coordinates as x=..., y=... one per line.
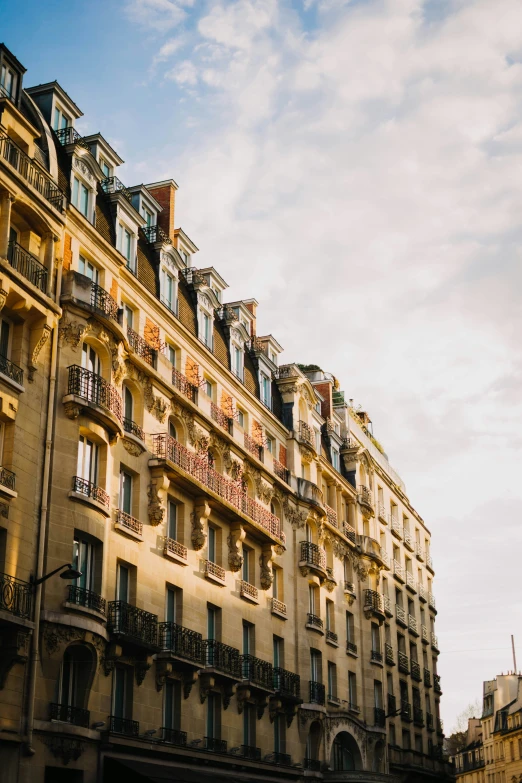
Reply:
x=332, y=680
x=172, y=705
x=172, y=521
x=5, y=342
x=265, y=389
x=352, y=689
x=248, y=638
x=123, y=583
x=84, y=560
x=213, y=716
x=279, y=734
x=206, y=324
x=350, y=630
x=87, y=268
x=247, y=556
x=278, y=645
x=80, y=196
x=90, y=359
x=75, y=670
x=212, y=544
x=121, y=696
x=128, y=404
x=212, y=622
x=249, y=725
x=87, y=467
x=125, y=492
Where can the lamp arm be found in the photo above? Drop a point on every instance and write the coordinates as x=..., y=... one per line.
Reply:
x=36, y=582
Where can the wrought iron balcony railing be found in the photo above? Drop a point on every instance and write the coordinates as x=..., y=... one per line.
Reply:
x=90, y=490
x=156, y=234
x=135, y=624
x=70, y=136
x=316, y=692
x=331, y=637
x=415, y=671
x=80, y=596
x=376, y=656
x=246, y=590
x=387, y=606
x=436, y=683
x=166, y=447
x=388, y=654
x=431, y=601
x=133, y=428
x=131, y=728
x=253, y=447
x=349, y=532
x=427, y=678
x=283, y=759
x=434, y=641
x=423, y=593
x=250, y=752
x=141, y=347
x=379, y=717
x=405, y=710
x=425, y=636
x=173, y=736
x=410, y=582
x=412, y=624
x=222, y=657
x=374, y=602
x=112, y=185
x=11, y=370
x=314, y=621
x=351, y=647
x=418, y=716
x=175, y=548
x=392, y=704
x=258, y=672
x=314, y=765
x=181, y=641
x=398, y=571
x=93, y=388
x=15, y=596
x=131, y=524
x=28, y=265
x=404, y=663
x=331, y=516
x=305, y=433
x=215, y=745
x=286, y=683
x=349, y=587
x=381, y=513
x=400, y=615
x=220, y=417
x=313, y=555
x=429, y=721
x=32, y=172
x=395, y=526
x=103, y=302
x=280, y=470
x=183, y=385
x=429, y=562
x=68, y=714
x=365, y=496
x=408, y=541
x=419, y=551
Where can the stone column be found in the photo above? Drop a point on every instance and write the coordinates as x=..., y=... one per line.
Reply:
x=6, y=200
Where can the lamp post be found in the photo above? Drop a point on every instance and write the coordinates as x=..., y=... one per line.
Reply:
x=69, y=573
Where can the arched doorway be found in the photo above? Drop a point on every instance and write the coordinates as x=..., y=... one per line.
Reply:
x=345, y=753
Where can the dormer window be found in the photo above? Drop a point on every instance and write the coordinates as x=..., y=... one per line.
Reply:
x=125, y=244
x=148, y=217
x=206, y=329
x=186, y=260
x=105, y=167
x=237, y=361
x=60, y=119
x=7, y=81
x=80, y=196
x=265, y=390
x=168, y=285
x=217, y=293
x=335, y=459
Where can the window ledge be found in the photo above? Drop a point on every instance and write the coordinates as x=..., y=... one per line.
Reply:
x=85, y=610
x=12, y=384
x=8, y=493
x=282, y=615
x=128, y=532
x=352, y=654
x=332, y=643
x=314, y=628
x=78, y=497
x=216, y=579
x=249, y=598
x=377, y=663
x=334, y=702
x=176, y=558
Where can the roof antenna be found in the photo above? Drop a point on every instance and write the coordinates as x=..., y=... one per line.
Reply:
x=514, y=656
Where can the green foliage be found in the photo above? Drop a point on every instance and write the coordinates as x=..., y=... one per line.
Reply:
x=309, y=368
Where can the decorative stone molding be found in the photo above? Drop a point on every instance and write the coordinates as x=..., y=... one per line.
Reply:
x=72, y=410
x=156, y=493
x=39, y=337
x=235, y=539
x=131, y=447
x=163, y=672
x=113, y=652
x=65, y=748
x=266, y=571
x=70, y=332
x=199, y=518
x=3, y=297
x=141, y=667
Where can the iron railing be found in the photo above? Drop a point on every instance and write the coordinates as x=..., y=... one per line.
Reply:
x=429, y=721
x=90, y=490
x=280, y=470
x=392, y=704
x=220, y=417
x=331, y=516
x=434, y=641
x=429, y=563
x=28, y=265
x=284, y=759
x=387, y=605
x=173, y=736
x=133, y=428
x=32, y=172
x=381, y=513
x=416, y=671
x=183, y=385
x=286, y=683
x=419, y=551
x=410, y=582
x=374, y=601
x=404, y=663
x=181, y=641
x=166, y=447
x=175, y=548
x=400, y=615
x=316, y=692
x=396, y=528
x=351, y=647
x=156, y=234
x=131, y=728
x=379, y=717
x=376, y=655
x=427, y=678
x=412, y=624
x=80, y=596
x=425, y=636
x=388, y=654
x=130, y=523
x=436, y=683
x=406, y=535
x=398, y=571
x=349, y=587
x=222, y=657
x=7, y=478
x=258, y=672
x=215, y=745
x=141, y=347
x=423, y=593
x=112, y=185
x=11, y=370
x=431, y=601
x=418, y=717
x=68, y=714
x=331, y=636
x=405, y=710
x=103, y=302
x=93, y=388
x=254, y=448
x=314, y=765
x=250, y=752
x=440, y=726
x=15, y=596
x=314, y=621
x=306, y=433
x=349, y=532
x=70, y=135
x=313, y=555
x=193, y=276
x=135, y=624
x=365, y=496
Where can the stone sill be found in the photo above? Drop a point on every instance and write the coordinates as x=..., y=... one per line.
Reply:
x=8, y=618
x=215, y=579
x=277, y=613
x=314, y=628
x=12, y=384
x=173, y=556
x=85, y=610
x=377, y=663
x=332, y=643
x=352, y=654
x=62, y=727
x=77, y=496
x=8, y=493
x=249, y=598
x=128, y=532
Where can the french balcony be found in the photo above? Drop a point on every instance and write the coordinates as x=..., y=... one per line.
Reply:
x=364, y=497
x=169, y=451
x=332, y=638
x=391, y=704
x=141, y=347
x=408, y=541
x=351, y=649
x=31, y=171
x=411, y=585
x=388, y=611
x=331, y=516
x=12, y=371
x=70, y=135
x=16, y=597
x=214, y=745
x=253, y=447
x=429, y=563
x=374, y=604
x=83, y=599
x=406, y=711
x=395, y=527
x=400, y=616
x=418, y=717
x=376, y=656
x=280, y=470
x=388, y=654
x=404, y=663
x=434, y=642
x=423, y=593
x=257, y=673
x=431, y=602
x=313, y=557
x=425, y=635
x=349, y=532
x=279, y=608
x=215, y=573
x=96, y=397
x=305, y=434
x=222, y=659
x=103, y=303
x=114, y=186
x=155, y=234
x=399, y=572
x=131, y=428
x=412, y=625
x=130, y=728
x=221, y=418
x=430, y=723
x=65, y=713
x=184, y=386
x=249, y=752
x=173, y=550
x=181, y=645
x=381, y=513
x=316, y=692
x=134, y=626
x=85, y=490
x=427, y=678
x=128, y=525
x=173, y=737
x=314, y=623
x=248, y=592
x=416, y=671
x=281, y=759
x=287, y=685
x=419, y=552
x=27, y=265
x=379, y=717
x=436, y=683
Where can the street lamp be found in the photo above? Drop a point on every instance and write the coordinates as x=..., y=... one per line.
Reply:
x=69, y=573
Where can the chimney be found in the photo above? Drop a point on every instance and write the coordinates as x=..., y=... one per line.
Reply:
x=251, y=305
x=165, y=194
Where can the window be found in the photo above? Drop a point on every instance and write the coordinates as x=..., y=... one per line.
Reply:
x=377, y=694
x=269, y=444
x=125, y=492
x=60, y=119
x=84, y=560
x=172, y=704
x=90, y=359
x=247, y=570
x=316, y=666
x=277, y=583
x=240, y=418
x=335, y=459
x=87, y=467
x=124, y=245
x=352, y=689
x=206, y=329
x=279, y=734
x=330, y=625
x=212, y=621
x=172, y=521
x=128, y=404
x=168, y=290
x=74, y=677
x=317, y=440
x=332, y=680
x=249, y=725
x=128, y=315
x=208, y=389
x=5, y=338
x=80, y=196
x=123, y=583
x=88, y=269
x=265, y=389
x=212, y=544
x=8, y=81
x=122, y=693
x=171, y=354
x=173, y=599
x=105, y=167
x=248, y=638
x=278, y=647
x=350, y=628
x=237, y=361
x=376, y=638
x=213, y=716
x=312, y=599
x=147, y=216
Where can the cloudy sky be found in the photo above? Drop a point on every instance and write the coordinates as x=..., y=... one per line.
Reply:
x=356, y=167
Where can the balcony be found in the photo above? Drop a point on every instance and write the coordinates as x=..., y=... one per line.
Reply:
x=410, y=582
x=248, y=592
x=416, y=671
x=408, y=541
x=396, y=529
x=431, y=602
x=381, y=513
x=305, y=434
x=351, y=648
x=221, y=418
x=364, y=497
x=27, y=265
x=141, y=347
x=184, y=386
x=132, y=625
x=398, y=571
x=250, y=752
x=313, y=557
x=440, y=726
x=86, y=599
x=406, y=711
x=427, y=678
x=404, y=663
x=83, y=488
x=11, y=370
x=279, y=608
x=214, y=745
x=287, y=685
x=349, y=588
x=131, y=428
x=419, y=552
x=70, y=135
x=436, y=683
x=412, y=625
x=174, y=737
x=388, y=654
x=175, y=551
x=104, y=402
x=16, y=596
x=349, y=532
x=434, y=642
x=379, y=717
x=392, y=704
x=418, y=717
x=130, y=728
x=429, y=563
x=374, y=604
x=332, y=638
x=257, y=672
x=67, y=714
x=155, y=234
x=214, y=572
x=168, y=449
x=282, y=759
x=311, y=493
x=254, y=448
x=425, y=635
x=314, y=622
x=280, y=470
x=129, y=525
x=376, y=656
x=400, y=616
x=423, y=593
x=32, y=172
x=180, y=643
x=331, y=516
x=387, y=606
x=113, y=186
x=222, y=658
x=316, y=692
x=430, y=724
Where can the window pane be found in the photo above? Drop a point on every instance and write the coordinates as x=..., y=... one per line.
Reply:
x=172, y=521
x=123, y=583
x=76, y=188
x=84, y=206
x=126, y=492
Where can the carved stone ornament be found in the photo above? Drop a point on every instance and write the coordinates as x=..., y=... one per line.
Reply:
x=235, y=549
x=72, y=410
x=306, y=715
x=330, y=584
x=141, y=667
x=305, y=394
x=199, y=518
x=65, y=748
x=71, y=332
x=132, y=448
x=307, y=455
x=163, y=672
x=155, y=493
x=113, y=652
x=43, y=334
x=3, y=297
x=84, y=170
x=266, y=576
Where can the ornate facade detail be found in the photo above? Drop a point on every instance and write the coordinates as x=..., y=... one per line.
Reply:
x=72, y=410
x=199, y=518
x=266, y=576
x=131, y=447
x=163, y=672
x=3, y=297
x=65, y=748
x=55, y=635
x=307, y=455
x=156, y=507
x=235, y=554
x=44, y=336
x=71, y=332
x=141, y=667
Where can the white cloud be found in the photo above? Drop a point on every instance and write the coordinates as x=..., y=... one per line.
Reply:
x=167, y=50
x=157, y=14
x=184, y=74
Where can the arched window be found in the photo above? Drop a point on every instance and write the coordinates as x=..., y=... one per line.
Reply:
x=128, y=404
x=172, y=430
x=75, y=678
x=345, y=753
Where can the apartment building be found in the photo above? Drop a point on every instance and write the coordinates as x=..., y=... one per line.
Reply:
x=246, y=589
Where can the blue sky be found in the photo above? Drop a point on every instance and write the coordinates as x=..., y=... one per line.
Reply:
x=357, y=168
